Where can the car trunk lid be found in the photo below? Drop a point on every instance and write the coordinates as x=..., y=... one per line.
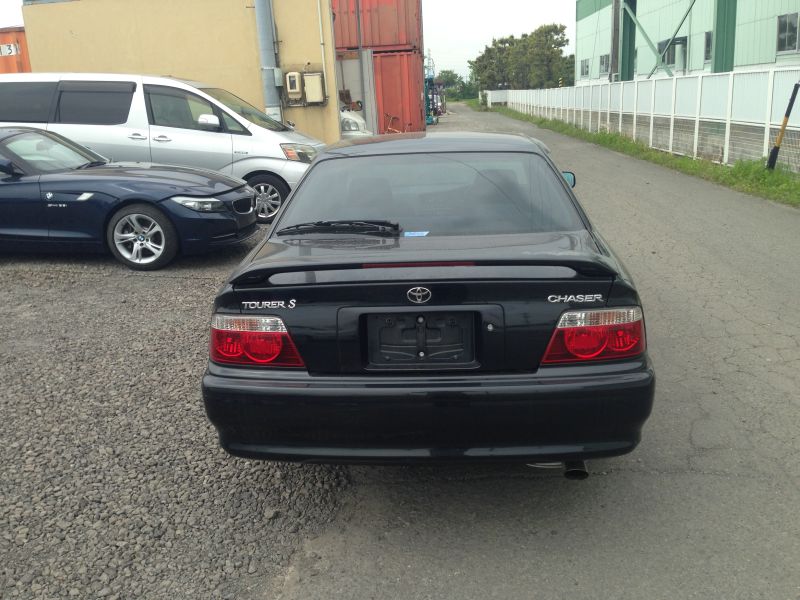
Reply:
x=476, y=308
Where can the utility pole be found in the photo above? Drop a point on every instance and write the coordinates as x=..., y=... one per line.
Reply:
x=614, y=67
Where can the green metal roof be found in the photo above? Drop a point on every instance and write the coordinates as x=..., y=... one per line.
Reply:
x=584, y=8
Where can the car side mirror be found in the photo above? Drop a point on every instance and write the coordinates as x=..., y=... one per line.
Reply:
x=210, y=122
x=7, y=167
x=569, y=176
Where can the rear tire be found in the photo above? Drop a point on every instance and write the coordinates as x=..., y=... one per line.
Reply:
x=141, y=237
x=271, y=192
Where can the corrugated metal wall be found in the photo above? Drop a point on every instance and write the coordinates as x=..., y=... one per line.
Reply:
x=756, y=33
x=392, y=30
x=399, y=91
x=385, y=24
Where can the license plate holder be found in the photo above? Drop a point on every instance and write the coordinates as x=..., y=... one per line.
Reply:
x=421, y=340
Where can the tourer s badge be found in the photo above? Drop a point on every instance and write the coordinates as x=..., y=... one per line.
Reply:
x=269, y=304
x=576, y=298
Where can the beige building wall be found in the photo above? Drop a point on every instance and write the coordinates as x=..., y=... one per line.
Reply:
x=213, y=41
x=298, y=35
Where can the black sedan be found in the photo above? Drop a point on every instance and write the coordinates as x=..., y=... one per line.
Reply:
x=57, y=194
x=430, y=297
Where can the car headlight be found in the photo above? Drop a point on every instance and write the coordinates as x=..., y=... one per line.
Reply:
x=299, y=152
x=349, y=125
x=200, y=204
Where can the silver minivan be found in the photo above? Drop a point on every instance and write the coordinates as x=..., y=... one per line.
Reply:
x=164, y=120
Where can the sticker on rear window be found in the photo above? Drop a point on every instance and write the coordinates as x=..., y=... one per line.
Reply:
x=415, y=233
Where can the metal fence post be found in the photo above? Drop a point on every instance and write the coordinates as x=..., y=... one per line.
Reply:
x=672, y=112
x=635, y=106
x=621, y=103
x=608, y=109
x=697, y=114
x=726, y=150
x=652, y=108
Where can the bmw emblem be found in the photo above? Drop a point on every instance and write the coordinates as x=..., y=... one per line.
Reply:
x=419, y=295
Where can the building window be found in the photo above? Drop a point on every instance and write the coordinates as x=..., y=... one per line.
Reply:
x=709, y=45
x=605, y=64
x=585, y=67
x=669, y=58
x=787, y=33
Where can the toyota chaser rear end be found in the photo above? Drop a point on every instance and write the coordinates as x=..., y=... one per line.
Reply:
x=430, y=297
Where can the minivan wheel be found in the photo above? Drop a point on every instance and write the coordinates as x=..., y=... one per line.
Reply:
x=270, y=194
x=141, y=237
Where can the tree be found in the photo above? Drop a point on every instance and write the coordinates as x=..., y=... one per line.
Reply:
x=450, y=80
x=535, y=60
x=454, y=85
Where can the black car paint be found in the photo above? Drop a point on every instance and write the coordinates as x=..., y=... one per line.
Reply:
x=507, y=408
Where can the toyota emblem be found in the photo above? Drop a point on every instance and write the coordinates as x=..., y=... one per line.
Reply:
x=419, y=295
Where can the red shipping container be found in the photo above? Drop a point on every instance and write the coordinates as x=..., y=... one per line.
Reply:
x=14, y=55
x=385, y=24
x=399, y=90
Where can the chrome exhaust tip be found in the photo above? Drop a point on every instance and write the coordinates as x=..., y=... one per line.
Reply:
x=575, y=469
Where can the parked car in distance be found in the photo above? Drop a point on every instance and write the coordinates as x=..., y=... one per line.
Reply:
x=57, y=194
x=164, y=120
x=430, y=297
x=353, y=125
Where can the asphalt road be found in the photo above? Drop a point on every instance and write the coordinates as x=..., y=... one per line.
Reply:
x=112, y=484
x=707, y=507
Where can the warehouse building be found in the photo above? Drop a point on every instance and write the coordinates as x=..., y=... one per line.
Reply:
x=622, y=40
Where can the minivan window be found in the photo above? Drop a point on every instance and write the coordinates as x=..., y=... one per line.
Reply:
x=232, y=124
x=438, y=194
x=94, y=103
x=170, y=107
x=243, y=109
x=25, y=102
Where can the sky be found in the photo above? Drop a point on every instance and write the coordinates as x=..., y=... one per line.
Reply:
x=455, y=31
x=10, y=13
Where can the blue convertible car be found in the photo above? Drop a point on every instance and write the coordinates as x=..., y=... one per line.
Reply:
x=55, y=193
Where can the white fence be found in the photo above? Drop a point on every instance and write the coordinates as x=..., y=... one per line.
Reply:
x=722, y=117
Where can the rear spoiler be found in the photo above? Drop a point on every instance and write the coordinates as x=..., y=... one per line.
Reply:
x=259, y=274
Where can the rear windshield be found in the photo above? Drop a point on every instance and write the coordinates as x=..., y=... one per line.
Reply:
x=438, y=194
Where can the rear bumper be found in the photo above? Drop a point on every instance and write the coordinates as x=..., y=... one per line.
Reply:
x=561, y=415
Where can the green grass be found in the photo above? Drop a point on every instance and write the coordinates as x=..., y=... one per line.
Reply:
x=748, y=176
x=475, y=104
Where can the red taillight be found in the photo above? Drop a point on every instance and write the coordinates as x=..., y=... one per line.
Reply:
x=258, y=341
x=607, y=334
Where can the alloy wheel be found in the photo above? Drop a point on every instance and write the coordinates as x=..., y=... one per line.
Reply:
x=268, y=200
x=139, y=238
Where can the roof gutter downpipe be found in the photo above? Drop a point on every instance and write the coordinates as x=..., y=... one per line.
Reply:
x=265, y=27
x=322, y=51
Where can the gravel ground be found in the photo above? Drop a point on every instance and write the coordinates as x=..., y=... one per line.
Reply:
x=112, y=483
